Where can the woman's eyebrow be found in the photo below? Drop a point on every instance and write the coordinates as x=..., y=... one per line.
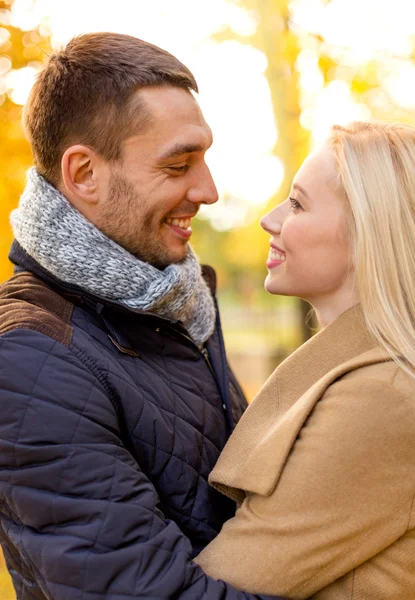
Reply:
x=298, y=187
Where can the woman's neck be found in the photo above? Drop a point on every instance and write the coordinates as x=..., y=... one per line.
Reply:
x=328, y=309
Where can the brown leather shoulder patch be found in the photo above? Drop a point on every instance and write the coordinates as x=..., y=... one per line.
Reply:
x=26, y=302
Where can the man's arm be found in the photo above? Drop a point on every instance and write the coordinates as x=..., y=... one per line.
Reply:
x=74, y=502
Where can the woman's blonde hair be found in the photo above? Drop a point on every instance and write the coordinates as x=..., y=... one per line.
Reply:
x=376, y=167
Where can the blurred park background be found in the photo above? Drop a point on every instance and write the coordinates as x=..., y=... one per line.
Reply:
x=274, y=75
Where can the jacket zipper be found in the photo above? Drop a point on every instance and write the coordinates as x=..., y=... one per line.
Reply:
x=203, y=351
x=205, y=355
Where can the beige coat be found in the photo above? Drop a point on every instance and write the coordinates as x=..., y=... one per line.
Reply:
x=323, y=462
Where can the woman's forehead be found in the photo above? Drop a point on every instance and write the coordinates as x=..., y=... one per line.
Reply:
x=318, y=172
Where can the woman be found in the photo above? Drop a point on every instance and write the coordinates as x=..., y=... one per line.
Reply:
x=323, y=461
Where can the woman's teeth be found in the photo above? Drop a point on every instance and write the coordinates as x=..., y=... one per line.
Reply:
x=182, y=223
x=275, y=255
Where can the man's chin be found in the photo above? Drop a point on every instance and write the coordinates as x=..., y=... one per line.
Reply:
x=178, y=257
x=170, y=257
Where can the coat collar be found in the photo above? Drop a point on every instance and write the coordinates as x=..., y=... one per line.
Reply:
x=253, y=459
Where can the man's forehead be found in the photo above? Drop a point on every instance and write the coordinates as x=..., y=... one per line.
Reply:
x=169, y=101
x=174, y=123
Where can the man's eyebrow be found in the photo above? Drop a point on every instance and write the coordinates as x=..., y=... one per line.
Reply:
x=179, y=149
x=298, y=187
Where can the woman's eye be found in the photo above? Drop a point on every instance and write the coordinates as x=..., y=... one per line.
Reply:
x=295, y=205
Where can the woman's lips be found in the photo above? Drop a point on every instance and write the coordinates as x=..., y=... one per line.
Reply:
x=276, y=257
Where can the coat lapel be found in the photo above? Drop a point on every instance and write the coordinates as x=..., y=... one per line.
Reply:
x=254, y=457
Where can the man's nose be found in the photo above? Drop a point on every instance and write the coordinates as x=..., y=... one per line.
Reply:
x=203, y=191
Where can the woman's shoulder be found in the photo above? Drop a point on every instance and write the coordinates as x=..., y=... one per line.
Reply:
x=381, y=393
x=385, y=375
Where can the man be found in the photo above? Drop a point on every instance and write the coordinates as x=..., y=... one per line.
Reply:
x=115, y=395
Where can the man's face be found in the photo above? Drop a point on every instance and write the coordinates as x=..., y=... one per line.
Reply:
x=161, y=180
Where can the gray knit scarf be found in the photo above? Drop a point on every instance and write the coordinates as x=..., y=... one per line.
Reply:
x=70, y=247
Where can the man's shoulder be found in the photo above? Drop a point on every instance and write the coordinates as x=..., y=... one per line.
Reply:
x=27, y=302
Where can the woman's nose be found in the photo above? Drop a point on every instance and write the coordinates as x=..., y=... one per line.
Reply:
x=272, y=221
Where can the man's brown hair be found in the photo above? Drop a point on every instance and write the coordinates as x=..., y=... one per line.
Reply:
x=84, y=96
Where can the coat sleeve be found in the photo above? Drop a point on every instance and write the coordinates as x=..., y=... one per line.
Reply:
x=82, y=517
x=345, y=494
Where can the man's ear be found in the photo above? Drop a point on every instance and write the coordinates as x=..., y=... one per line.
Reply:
x=79, y=177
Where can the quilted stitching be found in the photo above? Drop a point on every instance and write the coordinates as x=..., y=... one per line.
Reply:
x=70, y=413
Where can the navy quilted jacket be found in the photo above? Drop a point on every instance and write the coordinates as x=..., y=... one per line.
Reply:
x=111, y=420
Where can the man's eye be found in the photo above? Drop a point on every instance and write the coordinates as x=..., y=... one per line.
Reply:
x=295, y=205
x=181, y=169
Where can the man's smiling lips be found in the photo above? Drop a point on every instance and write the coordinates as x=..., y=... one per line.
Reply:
x=180, y=225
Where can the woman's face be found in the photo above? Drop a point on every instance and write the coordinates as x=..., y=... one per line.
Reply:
x=310, y=251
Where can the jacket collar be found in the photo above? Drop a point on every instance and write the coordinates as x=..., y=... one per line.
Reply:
x=342, y=340
x=108, y=310
x=253, y=459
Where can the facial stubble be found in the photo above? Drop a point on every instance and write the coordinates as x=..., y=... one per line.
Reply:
x=129, y=221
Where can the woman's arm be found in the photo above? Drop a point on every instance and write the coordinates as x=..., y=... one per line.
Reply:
x=345, y=494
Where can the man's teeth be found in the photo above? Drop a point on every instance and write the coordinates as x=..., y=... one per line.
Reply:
x=182, y=223
x=275, y=255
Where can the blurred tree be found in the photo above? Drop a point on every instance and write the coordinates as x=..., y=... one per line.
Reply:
x=282, y=42
x=279, y=44
x=19, y=51
x=239, y=254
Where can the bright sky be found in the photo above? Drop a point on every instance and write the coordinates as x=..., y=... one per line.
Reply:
x=234, y=93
